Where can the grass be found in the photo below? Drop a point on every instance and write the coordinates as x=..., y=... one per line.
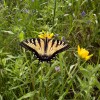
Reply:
x=22, y=78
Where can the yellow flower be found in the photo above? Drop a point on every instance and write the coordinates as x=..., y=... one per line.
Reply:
x=83, y=53
x=44, y=35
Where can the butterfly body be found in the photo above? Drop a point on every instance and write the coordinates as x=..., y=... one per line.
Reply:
x=45, y=49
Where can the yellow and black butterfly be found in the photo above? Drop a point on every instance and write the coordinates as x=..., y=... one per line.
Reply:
x=45, y=49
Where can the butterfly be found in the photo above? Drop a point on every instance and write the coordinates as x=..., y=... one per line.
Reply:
x=45, y=49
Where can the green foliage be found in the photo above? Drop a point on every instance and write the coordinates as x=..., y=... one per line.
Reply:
x=22, y=77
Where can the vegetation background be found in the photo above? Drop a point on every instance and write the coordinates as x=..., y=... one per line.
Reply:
x=68, y=77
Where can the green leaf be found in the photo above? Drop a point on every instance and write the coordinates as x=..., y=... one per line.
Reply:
x=30, y=94
x=21, y=36
x=9, y=32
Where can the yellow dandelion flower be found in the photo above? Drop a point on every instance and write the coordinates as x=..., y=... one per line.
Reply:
x=44, y=35
x=83, y=53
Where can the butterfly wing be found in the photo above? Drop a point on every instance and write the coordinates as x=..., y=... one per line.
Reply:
x=55, y=47
x=34, y=45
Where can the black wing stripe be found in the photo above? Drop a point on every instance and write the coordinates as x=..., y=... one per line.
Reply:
x=46, y=45
x=39, y=42
x=33, y=41
x=53, y=41
x=57, y=43
x=60, y=42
